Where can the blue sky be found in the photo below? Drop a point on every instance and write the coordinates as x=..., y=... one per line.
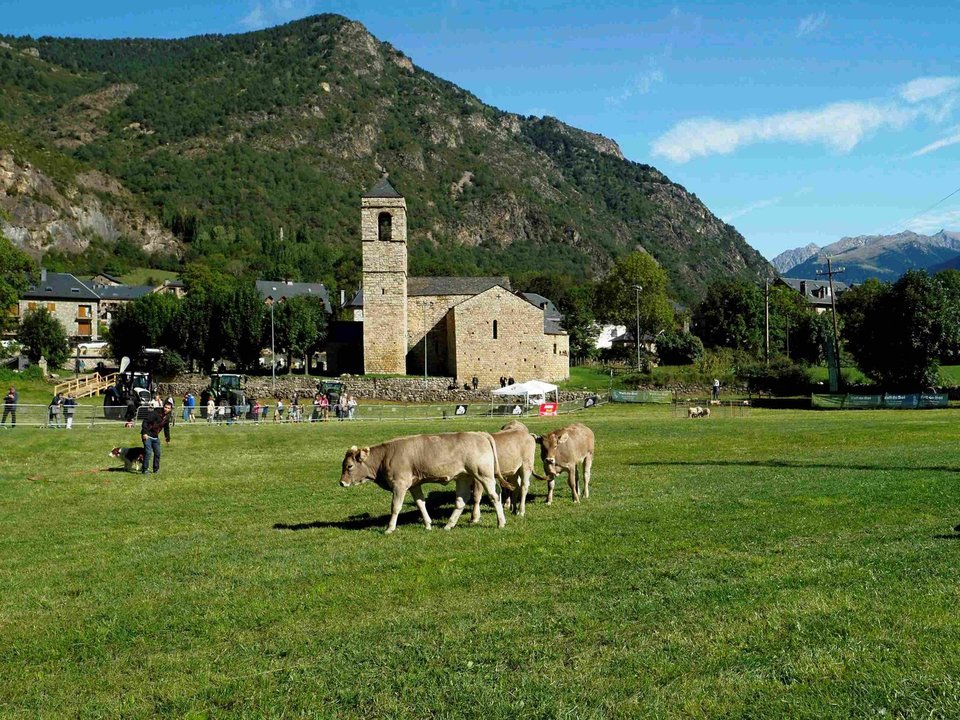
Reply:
x=796, y=122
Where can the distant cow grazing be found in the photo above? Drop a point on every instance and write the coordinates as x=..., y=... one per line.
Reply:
x=564, y=450
x=516, y=453
x=406, y=463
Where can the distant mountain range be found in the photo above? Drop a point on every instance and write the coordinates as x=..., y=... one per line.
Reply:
x=885, y=257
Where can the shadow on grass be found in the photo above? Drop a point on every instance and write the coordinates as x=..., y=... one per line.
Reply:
x=365, y=521
x=792, y=464
x=954, y=536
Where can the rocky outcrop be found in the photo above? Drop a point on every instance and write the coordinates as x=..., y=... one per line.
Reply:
x=39, y=215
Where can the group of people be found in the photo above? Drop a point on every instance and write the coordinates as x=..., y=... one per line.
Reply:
x=344, y=409
x=60, y=405
x=504, y=381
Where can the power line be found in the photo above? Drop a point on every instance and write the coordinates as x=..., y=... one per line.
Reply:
x=926, y=210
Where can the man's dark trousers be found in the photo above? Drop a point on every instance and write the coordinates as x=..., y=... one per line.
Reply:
x=151, y=446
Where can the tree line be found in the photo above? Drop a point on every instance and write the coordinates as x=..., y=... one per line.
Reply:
x=898, y=334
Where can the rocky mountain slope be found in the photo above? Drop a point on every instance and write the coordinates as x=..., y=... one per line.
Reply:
x=885, y=257
x=791, y=258
x=39, y=214
x=221, y=140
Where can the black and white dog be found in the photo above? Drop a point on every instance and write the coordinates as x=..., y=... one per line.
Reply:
x=132, y=457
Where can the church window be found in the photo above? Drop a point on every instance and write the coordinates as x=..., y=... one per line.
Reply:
x=494, y=329
x=384, y=226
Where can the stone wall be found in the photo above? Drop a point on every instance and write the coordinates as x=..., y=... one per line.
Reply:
x=498, y=334
x=411, y=390
x=429, y=311
x=67, y=312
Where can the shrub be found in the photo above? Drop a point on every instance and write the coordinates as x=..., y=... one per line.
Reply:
x=781, y=377
x=679, y=348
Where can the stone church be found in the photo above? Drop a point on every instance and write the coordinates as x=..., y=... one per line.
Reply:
x=461, y=327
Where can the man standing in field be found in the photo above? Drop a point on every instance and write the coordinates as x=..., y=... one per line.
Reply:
x=158, y=419
x=10, y=401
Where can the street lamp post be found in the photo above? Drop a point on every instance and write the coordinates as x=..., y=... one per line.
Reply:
x=273, y=354
x=638, y=288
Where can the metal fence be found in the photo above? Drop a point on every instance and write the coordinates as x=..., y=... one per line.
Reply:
x=90, y=416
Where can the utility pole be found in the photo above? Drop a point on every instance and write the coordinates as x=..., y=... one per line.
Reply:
x=638, y=288
x=833, y=310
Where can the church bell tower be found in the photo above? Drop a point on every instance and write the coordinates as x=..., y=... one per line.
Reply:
x=383, y=229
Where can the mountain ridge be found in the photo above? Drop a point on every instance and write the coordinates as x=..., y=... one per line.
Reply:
x=222, y=139
x=885, y=257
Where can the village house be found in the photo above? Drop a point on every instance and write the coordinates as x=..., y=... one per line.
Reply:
x=68, y=299
x=815, y=292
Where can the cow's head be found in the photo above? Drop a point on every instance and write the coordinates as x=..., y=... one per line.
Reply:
x=354, y=471
x=514, y=425
x=548, y=449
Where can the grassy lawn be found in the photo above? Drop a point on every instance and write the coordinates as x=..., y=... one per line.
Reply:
x=782, y=564
x=140, y=276
x=589, y=377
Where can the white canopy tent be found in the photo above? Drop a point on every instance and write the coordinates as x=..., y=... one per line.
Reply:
x=533, y=391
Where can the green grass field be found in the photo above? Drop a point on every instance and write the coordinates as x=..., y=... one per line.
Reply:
x=782, y=564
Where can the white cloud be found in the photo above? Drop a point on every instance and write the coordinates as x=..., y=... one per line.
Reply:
x=275, y=12
x=952, y=139
x=933, y=221
x=839, y=126
x=927, y=88
x=811, y=23
x=758, y=205
x=254, y=20
x=641, y=84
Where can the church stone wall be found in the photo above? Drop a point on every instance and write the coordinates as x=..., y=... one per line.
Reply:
x=520, y=349
x=429, y=311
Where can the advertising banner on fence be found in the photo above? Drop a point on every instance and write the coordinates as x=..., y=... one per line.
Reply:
x=642, y=396
x=589, y=402
x=548, y=408
x=910, y=401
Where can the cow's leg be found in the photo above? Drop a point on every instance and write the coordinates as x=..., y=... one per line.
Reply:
x=572, y=481
x=464, y=486
x=587, y=464
x=551, y=482
x=475, y=513
x=523, y=487
x=493, y=492
x=398, y=495
x=417, y=493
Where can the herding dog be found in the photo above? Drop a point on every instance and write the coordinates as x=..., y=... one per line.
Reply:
x=132, y=457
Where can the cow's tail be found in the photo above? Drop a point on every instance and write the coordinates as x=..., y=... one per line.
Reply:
x=504, y=483
x=538, y=477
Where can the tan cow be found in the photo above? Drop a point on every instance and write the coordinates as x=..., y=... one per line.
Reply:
x=406, y=463
x=564, y=450
x=516, y=452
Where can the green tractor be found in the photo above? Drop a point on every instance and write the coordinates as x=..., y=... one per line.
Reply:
x=226, y=389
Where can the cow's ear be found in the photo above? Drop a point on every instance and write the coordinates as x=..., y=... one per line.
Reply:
x=353, y=450
x=563, y=438
x=362, y=454
x=538, y=438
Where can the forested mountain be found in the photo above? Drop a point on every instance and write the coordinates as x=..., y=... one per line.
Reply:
x=222, y=140
x=885, y=257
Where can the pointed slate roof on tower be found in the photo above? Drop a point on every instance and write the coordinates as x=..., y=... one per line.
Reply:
x=383, y=189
